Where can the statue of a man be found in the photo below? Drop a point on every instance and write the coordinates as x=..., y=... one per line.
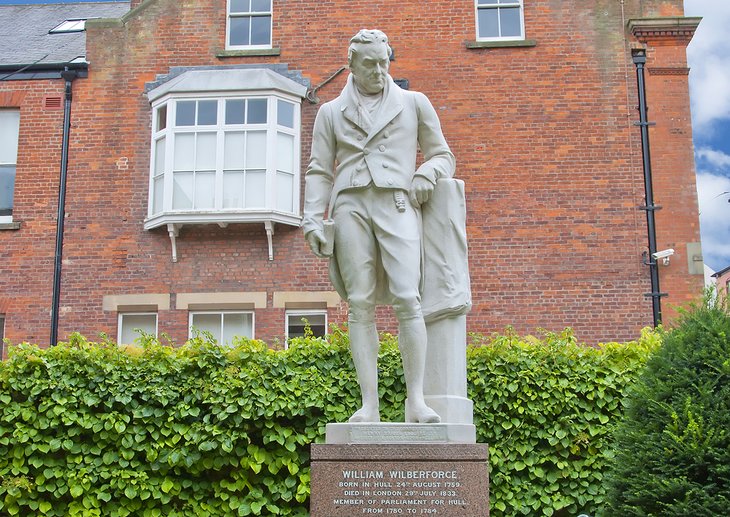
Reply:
x=363, y=172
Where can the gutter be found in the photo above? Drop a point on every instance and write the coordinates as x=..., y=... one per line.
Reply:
x=68, y=75
x=639, y=58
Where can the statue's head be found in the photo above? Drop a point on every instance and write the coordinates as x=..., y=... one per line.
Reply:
x=369, y=59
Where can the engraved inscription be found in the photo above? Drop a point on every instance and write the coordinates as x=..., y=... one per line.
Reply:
x=399, y=434
x=400, y=491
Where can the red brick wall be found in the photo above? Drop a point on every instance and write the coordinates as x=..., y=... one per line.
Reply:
x=543, y=138
x=26, y=254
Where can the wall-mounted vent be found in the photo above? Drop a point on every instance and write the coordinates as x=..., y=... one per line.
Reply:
x=52, y=103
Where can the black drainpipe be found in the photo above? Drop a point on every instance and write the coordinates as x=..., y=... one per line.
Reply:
x=639, y=58
x=68, y=76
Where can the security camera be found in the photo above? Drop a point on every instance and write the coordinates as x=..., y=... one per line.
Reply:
x=664, y=255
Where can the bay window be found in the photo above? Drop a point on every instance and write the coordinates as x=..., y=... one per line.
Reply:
x=225, y=149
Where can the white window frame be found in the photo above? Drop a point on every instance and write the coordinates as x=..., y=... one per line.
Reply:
x=11, y=159
x=303, y=314
x=498, y=4
x=120, y=323
x=269, y=210
x=70, y=25
x=222, y=314
x=250, y=15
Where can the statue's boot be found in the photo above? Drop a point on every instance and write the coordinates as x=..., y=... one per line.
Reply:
x=364, y=346
x=412, y=344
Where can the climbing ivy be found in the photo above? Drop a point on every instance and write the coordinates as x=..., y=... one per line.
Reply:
x=95, y=429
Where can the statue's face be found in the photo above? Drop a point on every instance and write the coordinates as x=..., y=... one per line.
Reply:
x=369, y=67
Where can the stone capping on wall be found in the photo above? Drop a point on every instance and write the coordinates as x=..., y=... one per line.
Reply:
x=667, y=30
x=136, y=302
x=221, y=301
x=500, y=44
x=306, y=299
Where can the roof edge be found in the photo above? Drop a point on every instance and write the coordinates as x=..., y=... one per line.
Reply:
x=106, y=23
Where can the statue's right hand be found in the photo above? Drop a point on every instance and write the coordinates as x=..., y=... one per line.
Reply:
x=316, y=241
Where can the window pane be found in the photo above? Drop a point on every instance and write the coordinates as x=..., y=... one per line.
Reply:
x=184, y=152
x=204, y=190
x=261, y=30
x=257, y=111
x=208, y=323
x=158, y=194
x=285, y=113
x=162, y=117
x=239, y=30
x=7, y=189
x=233, y=150
x=233, y=189
x=256, y=150
x=317, y=323
x=207, y=113
x=185, y=113
x=285, y=152
x=510, y=18
x=160, y=156
x=147, y=323
x=255, y=189
x=488, y=23
x=235, y=111
x=236, y=324
x=261, y=6
x=182, y=193
x=240, y=6
x=205, y=152
x=284, y=192
x=9, y=127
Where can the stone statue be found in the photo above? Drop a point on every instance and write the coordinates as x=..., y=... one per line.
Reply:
x=362, y=172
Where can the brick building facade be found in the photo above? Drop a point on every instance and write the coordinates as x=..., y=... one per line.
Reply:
x=190, y=135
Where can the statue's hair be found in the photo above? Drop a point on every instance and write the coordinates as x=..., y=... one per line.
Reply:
x=366, y=36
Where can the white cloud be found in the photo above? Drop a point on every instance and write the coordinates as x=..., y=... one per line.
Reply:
x=713, y=192
x=715, y=158
x=708, y=56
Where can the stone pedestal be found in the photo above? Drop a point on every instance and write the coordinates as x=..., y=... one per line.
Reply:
x=399, y=479
x=445, y=377
x=396, y=432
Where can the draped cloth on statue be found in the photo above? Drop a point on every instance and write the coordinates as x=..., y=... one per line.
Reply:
x=446, y=288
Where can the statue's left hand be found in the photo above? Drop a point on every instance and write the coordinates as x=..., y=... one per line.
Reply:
x=421, y=190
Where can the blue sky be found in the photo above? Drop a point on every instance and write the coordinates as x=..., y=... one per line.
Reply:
x=709, y=59
x=709, y=79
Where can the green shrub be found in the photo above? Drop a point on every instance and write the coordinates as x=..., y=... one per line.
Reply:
x=672, y=450
x=546, y=409
x=95, y=429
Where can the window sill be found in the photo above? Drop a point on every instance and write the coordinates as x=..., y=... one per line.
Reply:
x=275, y=51
x=10, y=226
x=176, y=220
x=501, y=44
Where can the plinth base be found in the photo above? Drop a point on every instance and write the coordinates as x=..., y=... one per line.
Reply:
x=387, y=432
x=419, y=479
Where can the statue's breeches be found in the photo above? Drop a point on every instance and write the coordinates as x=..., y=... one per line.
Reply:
x=378, y=247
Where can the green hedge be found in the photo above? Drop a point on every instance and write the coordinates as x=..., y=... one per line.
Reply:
x=95, y=429
x=673, y=444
